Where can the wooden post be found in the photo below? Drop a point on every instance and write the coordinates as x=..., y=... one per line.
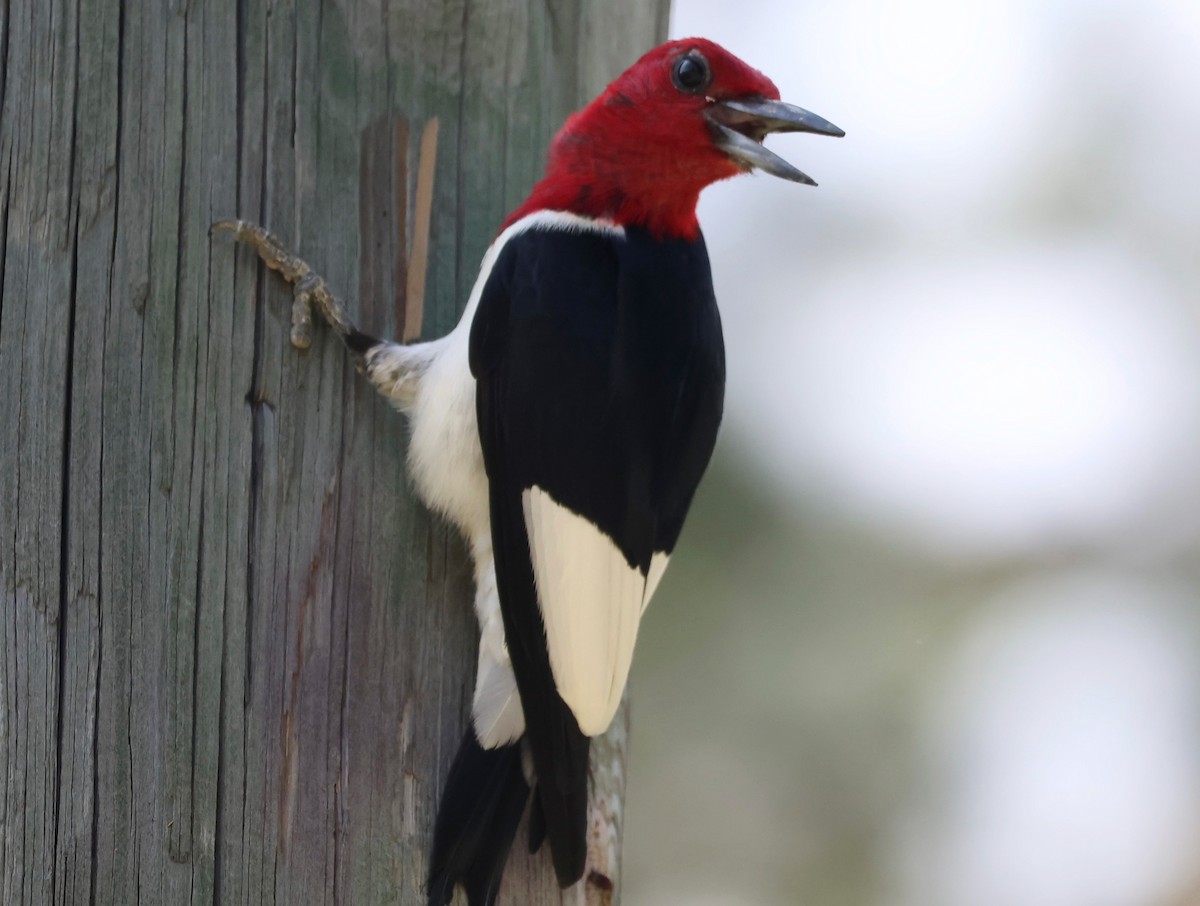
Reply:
x=235, y=653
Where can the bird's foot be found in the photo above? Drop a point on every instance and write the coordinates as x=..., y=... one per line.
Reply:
x=309, y=289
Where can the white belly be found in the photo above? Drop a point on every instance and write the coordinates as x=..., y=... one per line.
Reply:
x=444, y=455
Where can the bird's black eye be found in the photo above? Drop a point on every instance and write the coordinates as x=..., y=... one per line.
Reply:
x=691, y=72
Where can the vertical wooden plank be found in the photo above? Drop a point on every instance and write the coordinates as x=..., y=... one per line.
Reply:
x=39, y=267
x=96, y=178
x=235, y=653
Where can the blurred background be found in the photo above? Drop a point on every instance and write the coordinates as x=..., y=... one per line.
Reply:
x=932, y=636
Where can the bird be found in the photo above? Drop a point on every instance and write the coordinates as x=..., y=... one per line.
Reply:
x=564, y=425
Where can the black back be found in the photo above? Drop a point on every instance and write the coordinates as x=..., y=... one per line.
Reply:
x=600, y=378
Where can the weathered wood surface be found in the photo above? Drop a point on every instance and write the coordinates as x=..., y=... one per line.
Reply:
x=236, y=654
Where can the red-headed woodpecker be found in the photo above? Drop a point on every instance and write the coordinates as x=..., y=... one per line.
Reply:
x=564, y=425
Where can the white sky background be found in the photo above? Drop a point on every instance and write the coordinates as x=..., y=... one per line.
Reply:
x=1060, y=756
x=980, y=338
x=981, y=325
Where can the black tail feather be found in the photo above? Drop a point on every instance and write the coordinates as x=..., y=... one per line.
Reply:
x=537, y=825
x=477, y=820
x=562, y=795
x=558, y=748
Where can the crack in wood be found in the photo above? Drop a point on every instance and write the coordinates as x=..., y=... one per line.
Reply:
x=289, y=768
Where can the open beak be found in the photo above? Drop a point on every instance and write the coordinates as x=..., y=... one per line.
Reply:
x=741, y=124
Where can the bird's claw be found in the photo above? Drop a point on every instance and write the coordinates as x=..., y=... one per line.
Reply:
x=302, y=312
x=309, y=288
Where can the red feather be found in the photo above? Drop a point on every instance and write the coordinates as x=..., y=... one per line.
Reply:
x=641, y=152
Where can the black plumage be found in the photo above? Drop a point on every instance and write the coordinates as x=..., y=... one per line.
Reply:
x=600, y=378
x=484, y=798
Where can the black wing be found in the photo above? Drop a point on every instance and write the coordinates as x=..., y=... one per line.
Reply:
x=600, y=377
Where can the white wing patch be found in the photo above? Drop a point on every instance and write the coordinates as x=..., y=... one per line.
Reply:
x=591, y=601
x=658, y=566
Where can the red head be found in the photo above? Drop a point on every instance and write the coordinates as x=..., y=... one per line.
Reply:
x=685, y=115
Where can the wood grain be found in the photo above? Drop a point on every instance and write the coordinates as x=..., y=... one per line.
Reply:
x=235, y=653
